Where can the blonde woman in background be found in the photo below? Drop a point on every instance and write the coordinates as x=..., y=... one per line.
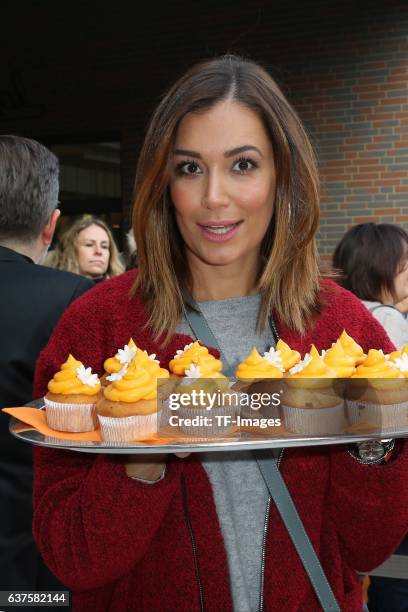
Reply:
x=87, y=248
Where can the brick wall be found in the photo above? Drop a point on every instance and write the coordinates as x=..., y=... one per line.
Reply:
x=99, y=68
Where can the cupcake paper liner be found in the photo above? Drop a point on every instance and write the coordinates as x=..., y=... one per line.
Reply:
x=270, y=412
x=389, y=417
x=314, y=421
x=211, y=430
x=70, y=417
x=127, y=429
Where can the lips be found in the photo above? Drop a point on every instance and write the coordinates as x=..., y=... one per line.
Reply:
x=219, y=231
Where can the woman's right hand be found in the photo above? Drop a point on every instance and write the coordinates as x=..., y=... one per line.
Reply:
x=148, y=467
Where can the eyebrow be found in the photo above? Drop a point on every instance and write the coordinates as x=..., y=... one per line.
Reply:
x=227, y=154
x=95, y=241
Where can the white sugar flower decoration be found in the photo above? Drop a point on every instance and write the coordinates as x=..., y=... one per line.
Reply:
x=323, y=353
x=118, y=375
x=273, y=357
x=301, y=365
x=178, y=353
x=86, y=377
x=193, y=371
x=126, y=354
x=402, y=362
x=152, y=357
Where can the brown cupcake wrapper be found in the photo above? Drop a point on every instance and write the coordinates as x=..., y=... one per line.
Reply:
x=74, y=418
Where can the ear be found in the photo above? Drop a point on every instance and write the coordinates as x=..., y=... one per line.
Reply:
x=48, y=231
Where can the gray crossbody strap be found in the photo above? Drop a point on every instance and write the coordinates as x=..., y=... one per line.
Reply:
x=202, y=332
x=289, y=515
x=274, y=481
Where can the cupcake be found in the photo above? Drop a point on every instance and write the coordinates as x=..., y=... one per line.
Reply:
x=377, y=393
x=213, y=406
x=195, y=354
x=310, y=404
x=71, y=398
x=128, y=409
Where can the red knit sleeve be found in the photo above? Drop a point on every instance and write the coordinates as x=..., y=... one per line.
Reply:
x=76, y=333
x=369, y=505
x=92, y=523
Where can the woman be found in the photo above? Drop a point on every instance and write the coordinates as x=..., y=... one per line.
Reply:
x=373, y=261
x=87, y=248
x=226, y=211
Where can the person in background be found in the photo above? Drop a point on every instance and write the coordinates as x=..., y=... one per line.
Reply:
x=373, y=262
x=33, y=298
x=87, y=248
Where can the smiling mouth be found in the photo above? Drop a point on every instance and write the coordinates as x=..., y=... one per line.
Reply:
x=220, y=229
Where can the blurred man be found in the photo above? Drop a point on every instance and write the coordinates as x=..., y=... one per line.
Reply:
x=33, y=299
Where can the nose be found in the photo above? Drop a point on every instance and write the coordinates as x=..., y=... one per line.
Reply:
x=215, y=194
x=97, y=249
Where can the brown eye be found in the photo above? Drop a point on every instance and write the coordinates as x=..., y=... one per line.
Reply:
x=244, y=165
x=188, y=168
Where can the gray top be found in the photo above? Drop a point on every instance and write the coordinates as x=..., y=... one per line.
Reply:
x=392, y=320
x=239, y=490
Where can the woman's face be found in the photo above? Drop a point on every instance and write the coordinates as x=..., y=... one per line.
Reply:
x=223, y=184
x=93, y=251
x=401, y=280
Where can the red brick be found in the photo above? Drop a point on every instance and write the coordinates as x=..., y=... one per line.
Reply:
x=388, y=211
x=366, y=175
x=385, y=183
x=367, y=219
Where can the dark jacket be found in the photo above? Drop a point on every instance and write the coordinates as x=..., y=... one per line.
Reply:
x=33, y=298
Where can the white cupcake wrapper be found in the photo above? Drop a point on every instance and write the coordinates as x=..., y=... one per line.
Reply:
x=70, y=417
x=212, y=429
x=389, y=417
x=314, y=421
x=128, y=429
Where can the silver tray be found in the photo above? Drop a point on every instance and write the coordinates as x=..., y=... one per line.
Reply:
x=245, y=441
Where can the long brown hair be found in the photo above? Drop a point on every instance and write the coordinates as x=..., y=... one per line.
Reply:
x=64, y=256
x=289, y=278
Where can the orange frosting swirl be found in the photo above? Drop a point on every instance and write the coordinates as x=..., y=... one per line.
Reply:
x=379, y=372
x=125, y=355
x=338, y=360
x=377, y=366
x=73, y=379
x=195, y=354
x=255, y=366
x=352, y=348
x=282, y=356
x=136, y=384
x=312, y=367
x=288, y=356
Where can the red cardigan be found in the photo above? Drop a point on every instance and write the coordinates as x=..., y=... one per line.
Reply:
x=123, y=546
